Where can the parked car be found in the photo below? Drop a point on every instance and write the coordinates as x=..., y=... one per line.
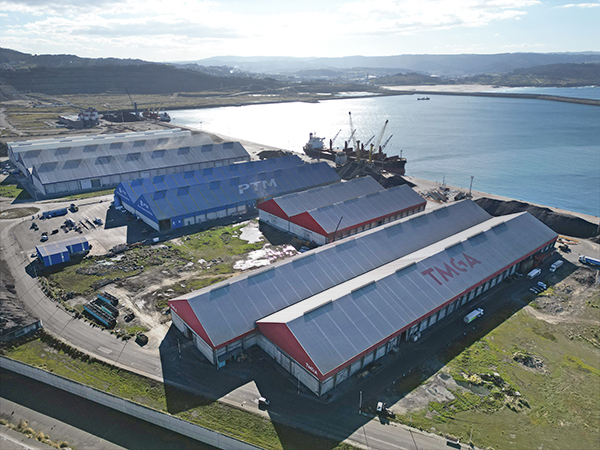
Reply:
x=97, y=221
x=44, y=237
x=542, y=285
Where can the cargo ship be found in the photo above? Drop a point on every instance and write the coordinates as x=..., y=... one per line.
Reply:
x=315, y=149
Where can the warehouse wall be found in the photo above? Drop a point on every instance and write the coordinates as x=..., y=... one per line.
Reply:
x=289, y=364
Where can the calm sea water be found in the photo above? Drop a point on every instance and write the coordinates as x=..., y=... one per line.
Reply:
x=533, y=150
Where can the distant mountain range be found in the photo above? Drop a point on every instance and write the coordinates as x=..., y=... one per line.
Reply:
x=69, y=74
x=552, y=75
x=438, y=65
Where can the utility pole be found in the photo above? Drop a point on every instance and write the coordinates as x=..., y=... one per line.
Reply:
x=336, y=228
x=470, y=187
x=360, y=403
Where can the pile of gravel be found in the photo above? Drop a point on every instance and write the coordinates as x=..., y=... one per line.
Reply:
x=355, y=169
x=560, y=223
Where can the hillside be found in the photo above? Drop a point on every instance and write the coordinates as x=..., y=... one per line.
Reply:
x=410, y=78
x=553, y=75
x=440, y=65
x=12, y=59
x=139, y=79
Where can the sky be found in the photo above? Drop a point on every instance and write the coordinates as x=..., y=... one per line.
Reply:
x=188, y=30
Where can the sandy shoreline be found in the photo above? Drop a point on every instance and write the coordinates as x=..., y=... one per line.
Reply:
x=444, y=88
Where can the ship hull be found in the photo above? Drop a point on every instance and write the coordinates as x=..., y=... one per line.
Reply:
x=393, y=165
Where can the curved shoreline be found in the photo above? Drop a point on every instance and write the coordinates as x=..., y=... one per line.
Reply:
x=554, y=98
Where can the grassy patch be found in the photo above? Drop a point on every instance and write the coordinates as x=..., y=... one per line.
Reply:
x=89, y=194
x=54, y=356
x=10, y=189
x=23, y=427
x=218, y=242
x=556, y=405
x=218, y=246
x=15, y=213
x=182, y=288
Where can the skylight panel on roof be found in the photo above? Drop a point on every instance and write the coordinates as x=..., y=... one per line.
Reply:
x=219, y=291
x=328, y=302
x=261, y=276
x=133, y=156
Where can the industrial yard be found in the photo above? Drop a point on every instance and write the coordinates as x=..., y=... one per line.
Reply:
x=205, y=295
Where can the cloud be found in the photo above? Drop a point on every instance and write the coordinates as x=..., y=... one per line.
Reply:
x=581, y=5
x=401, y=16
x=524, y=45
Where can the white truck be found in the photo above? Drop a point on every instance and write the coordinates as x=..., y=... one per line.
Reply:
x=556, y=265
x=534, y=273
x=589, y=260
x=473, y=315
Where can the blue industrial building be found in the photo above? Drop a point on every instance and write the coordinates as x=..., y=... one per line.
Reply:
x=178, y=200
x=53, y=253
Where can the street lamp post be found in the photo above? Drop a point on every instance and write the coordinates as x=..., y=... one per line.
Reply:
x=360, y=403
x=471, y=186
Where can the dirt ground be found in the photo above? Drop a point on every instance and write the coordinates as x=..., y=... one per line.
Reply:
x=569, y=300
x=145, y=293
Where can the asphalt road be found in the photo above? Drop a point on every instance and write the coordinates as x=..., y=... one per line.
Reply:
x=178, y=363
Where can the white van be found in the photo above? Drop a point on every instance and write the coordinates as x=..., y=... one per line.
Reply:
x=556, y=265
x=473, y=315
x=534, y=273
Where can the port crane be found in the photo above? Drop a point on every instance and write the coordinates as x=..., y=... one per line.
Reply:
x=387, y=141
x=352, y=138
x=334, y=138
x=378, y=141
x=133, y=103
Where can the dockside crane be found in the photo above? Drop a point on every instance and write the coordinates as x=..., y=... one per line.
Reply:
x=352, y=138
x=332, y=141
x=369, y=141
x=387, y=141
x=134, y=104
x=378, y=141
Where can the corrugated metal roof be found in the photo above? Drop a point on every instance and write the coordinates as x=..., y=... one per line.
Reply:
x=132, y=190
x=85, y=168
x=230, y=309
x=53, y=248
x=32, y=144
x=311, y=199
x=340, y=323
x=221, y=193
x=91, y=149
x=366, y=208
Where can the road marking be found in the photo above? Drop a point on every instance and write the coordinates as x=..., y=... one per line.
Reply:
x=105, y=350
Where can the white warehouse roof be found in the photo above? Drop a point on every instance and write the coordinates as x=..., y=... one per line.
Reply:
x=351, y=318
x=227, y=310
